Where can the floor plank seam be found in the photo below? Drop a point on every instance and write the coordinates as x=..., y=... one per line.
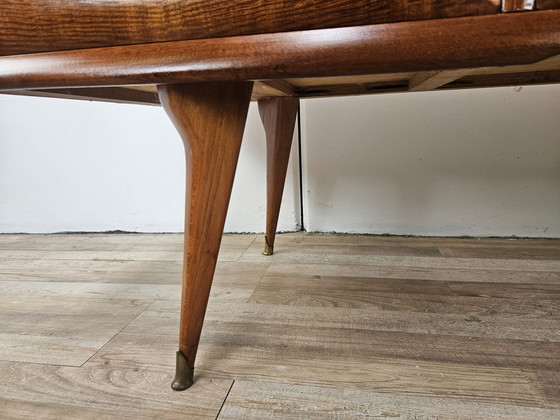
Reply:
x=325, y=329
x=257, y=285
x=247, y=249
x=533, y=381
x=40, y=364
x=450, y=289
x=116, y=334
x=225, y=399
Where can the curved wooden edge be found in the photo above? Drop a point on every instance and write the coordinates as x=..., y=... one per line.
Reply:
x=482, y=41
x=31, y=26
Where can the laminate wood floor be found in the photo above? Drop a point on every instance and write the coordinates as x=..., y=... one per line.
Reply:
x=330, y=327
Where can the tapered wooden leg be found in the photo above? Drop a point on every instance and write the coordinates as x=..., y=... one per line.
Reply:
x=279, y=117
x=210, y=118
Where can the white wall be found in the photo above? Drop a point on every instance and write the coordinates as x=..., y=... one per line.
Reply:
x=88, y=166
x=480, y=162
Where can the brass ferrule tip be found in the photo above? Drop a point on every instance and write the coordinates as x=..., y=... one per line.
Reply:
x=268, y=249
x=183, y=374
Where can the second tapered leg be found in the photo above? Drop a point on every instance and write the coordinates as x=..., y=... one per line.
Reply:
x=279, y=117
x=210, y=118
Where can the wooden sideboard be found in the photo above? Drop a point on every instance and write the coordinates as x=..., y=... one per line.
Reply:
x=205, y=61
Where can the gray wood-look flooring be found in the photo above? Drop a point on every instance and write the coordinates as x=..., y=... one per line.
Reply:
x=331, y=326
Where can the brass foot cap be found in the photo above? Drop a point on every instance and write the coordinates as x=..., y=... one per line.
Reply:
x=183, y=374
x=268, y=249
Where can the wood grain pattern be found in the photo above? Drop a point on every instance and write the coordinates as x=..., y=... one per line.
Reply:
x=98, y=392
x=265, y=400
x=210, y=118
x=60, y=330
x=393, y=242
x=152, y=247
x=44, y=25
x=278, y=116
x=530, y=327
x=413, y=329
x=531, y=253
x=268, y=342
x=411, y=271
x=143, y=281
x=547, y=4
x=369, y=253
x=271, y=88
x=386, y=295
x=496, y=40
x=545, y=292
